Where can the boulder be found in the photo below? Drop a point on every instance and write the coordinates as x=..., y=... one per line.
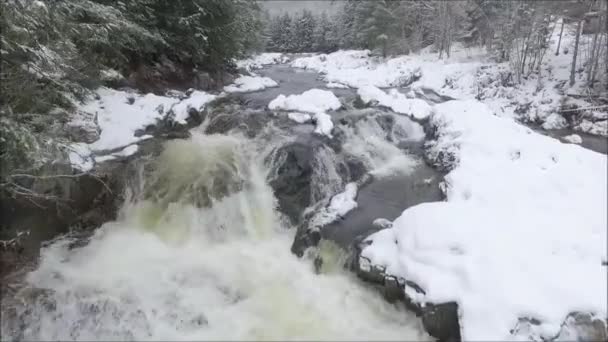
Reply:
x=440, y=320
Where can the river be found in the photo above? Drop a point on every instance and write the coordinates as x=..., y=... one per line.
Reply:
x=200, y=251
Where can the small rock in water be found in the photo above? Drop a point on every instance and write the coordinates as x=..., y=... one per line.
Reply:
x=382, y=223
x=573, y=139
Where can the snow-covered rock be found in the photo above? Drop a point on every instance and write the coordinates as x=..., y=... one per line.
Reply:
x=310, y=101
x=324, y=124
x=396, y=101
x=120, y=114
x=314, y=101
x=344, y=202
x=573, y=139
x=597, y=128
x=250, y=83
x=299, y=117
x=555, y=121
x=521, y=235
x=259, y=61
x=336, y=85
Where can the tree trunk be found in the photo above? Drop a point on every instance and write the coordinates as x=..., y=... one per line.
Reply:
x=595, y=54
x=559, y=41
x=579, y=28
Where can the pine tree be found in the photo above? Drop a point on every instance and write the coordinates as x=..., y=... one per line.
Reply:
x=321, y=34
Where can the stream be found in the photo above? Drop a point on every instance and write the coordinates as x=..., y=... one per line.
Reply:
x=201, y=248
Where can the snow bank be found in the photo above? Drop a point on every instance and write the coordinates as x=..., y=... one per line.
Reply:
x=356, y=68
x=523, y=231
x=259, y=61
x=397, y=102
x=299, y=117
x=197, y=101
x=573, y=139
x=335, y=85
x=120, y=114
x=310, y=101
x=250, y=83
x=314, y=101
x=125, y=152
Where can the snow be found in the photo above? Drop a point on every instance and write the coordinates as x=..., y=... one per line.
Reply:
x=324, y=124
x=299, y=117
x=80, y=156
x=120, y=114
x=396, y=101
x=314, y=101
x=250, y=83
x=310, y=101
x=259, y=61
x=357, y=69
x=574, y=139
x=555, y=121
x=125, y=152
x=339, y=205
x=522, y=233
x=344, y=202
x=470, y=73
x=336, y=85
x=197, y=100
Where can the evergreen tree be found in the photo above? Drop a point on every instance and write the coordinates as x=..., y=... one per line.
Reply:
x=283, y=42
x=321, y=35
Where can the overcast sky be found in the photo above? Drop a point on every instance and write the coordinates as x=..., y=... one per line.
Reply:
x=291, y=6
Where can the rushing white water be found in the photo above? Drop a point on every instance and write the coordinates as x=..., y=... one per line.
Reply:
x=366, y=141
x=203, y=257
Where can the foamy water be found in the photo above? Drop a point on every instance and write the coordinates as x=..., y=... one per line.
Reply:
x=208, y=262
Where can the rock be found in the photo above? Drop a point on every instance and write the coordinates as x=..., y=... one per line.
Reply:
x=203, y=81
x=83, y=127
x=305, y=238
x=440, y=320
x=573, y=139
x=382, y=223
x=579, y=326
x=291, y=181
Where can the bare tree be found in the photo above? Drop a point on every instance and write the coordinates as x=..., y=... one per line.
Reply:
x=579, y=29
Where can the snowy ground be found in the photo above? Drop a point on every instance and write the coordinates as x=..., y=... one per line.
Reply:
x=120, y=114
x=468, y=73
x=250, y=83
x=522, y=233
x=259, y=61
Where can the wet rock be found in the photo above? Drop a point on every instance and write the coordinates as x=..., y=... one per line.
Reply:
x=291, y=181
x=232, y=113
x=305, y=238
x=440, y=320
